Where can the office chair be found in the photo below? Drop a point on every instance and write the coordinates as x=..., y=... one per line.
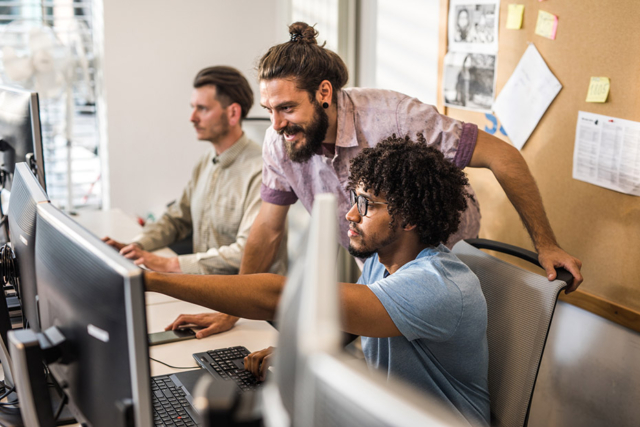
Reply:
x=520, y=306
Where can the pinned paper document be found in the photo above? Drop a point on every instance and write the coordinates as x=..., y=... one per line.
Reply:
x=526, y=96
x=514, y=19
x=547, y=25
x=598, y=89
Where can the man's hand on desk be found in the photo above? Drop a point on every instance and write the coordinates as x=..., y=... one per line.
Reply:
x=551, y=257
x=258, y=362
x=213, y=323
x=151, y=261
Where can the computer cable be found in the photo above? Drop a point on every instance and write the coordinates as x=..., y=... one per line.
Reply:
x=7, y=393
x=175, y=367
x=9, y=268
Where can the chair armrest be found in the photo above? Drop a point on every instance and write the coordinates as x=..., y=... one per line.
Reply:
x=521, y=253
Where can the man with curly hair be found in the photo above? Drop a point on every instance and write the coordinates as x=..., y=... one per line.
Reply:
x=419, y=309
x=319, y=125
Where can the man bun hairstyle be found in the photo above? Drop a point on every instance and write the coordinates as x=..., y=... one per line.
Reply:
x=302, y=59
x=422, y=188
x=231, y=86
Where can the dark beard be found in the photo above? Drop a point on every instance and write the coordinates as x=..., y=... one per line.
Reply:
x=313, y=136
x=360, y=254
x=367, y=252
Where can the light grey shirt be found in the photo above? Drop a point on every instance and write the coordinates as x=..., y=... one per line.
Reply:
x=365, y=118
x=437, y=304
x=219, y=206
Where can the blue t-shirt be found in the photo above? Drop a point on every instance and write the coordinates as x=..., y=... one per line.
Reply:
x=437, y=304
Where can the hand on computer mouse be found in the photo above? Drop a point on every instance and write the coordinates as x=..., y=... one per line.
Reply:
x=258, y=362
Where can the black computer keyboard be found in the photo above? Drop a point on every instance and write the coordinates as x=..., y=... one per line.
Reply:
x=169, y=403
x=228, y=364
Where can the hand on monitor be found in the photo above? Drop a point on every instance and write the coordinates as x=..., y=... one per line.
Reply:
x=212, y=323
x=258, y=362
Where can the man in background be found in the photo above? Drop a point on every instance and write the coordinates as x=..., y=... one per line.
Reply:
x=220, y=202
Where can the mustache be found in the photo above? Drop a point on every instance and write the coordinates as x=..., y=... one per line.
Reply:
x=290, y=129
x=354, y=227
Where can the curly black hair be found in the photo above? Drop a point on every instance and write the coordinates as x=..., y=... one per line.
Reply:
x=421, y=187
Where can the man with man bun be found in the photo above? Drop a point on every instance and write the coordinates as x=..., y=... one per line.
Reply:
x=318, y=126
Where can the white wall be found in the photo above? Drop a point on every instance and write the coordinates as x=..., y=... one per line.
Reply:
x=589, y=375
x=398, y=46
x=152, y=51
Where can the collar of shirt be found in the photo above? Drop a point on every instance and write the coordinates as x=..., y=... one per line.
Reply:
x=227, y=158
x=346, y=133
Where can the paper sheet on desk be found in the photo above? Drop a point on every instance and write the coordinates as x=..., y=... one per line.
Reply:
x=607, y=153
x=526, y=96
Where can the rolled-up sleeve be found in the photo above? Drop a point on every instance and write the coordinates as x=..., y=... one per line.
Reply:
x=455, y=139
x=275, y=187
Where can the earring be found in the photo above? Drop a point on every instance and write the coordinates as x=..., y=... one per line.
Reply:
x=325, y=105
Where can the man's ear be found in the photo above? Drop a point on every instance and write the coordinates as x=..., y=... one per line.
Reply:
x=324, y=92
x=409, y=227
x=234, y=113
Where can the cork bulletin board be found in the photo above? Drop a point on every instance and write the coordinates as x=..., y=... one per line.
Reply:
x=597, y=225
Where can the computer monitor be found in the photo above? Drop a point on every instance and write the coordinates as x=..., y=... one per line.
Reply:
x=316, y=383
x=308, y=318
x=95, y=298
x=20, y=131
x=26, y=195
x=344, y=392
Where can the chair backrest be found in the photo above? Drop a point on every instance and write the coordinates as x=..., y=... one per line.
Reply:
x=520, y=306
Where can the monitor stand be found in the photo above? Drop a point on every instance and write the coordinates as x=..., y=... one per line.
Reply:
x=11, y=416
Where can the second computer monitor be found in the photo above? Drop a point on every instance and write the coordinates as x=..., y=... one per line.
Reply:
x=95, y=297
x=20, y=130
x=26, y=194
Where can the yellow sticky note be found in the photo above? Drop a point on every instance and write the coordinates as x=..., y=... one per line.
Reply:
x=598, y=89
x=547, y=25
x=514, y=19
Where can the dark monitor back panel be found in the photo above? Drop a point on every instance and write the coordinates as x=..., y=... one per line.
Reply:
x=86, y=290
x=25, y=196
x=20, y=129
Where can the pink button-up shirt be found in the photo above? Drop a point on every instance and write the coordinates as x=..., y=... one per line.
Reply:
x=365, y=118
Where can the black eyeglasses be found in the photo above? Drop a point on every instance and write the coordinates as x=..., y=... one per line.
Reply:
x=362, y=202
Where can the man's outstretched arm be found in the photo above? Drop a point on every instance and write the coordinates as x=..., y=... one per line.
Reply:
x=259, y=253
x=256, y=296
x=512, y=172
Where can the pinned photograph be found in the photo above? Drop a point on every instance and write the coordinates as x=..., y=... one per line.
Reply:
x=473, y=26
x=469, y=81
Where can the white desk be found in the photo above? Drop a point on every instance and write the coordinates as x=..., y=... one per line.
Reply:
x=162, y=309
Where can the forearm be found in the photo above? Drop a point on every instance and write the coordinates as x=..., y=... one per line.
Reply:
x=265, y=239
x=512, y=172
x=249, y=296
x=167, y=230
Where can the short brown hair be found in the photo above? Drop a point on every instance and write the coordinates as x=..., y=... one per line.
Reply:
x=231, y=86
x=304, y=60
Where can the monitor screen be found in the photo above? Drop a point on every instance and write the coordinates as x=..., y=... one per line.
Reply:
x=25, y=196
x=95, y=297
x=20, y=131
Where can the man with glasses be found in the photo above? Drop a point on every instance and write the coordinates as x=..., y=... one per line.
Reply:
x=318, y=126
x=419, y=309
